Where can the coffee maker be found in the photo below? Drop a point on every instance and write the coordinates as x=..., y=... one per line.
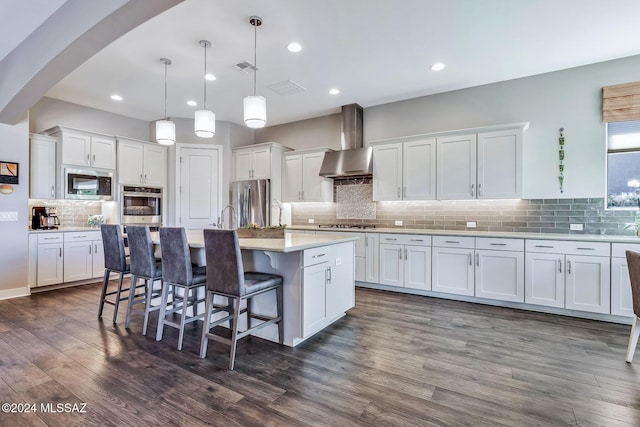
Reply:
x=44, y=218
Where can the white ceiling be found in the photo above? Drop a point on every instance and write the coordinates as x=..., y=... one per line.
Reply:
x=374, y=51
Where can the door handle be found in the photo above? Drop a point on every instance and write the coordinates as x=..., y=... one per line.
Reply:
x=60, y=252
x=559, y=265
x=477, y=260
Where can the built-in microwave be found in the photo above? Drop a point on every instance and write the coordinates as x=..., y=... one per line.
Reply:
x=88, y=184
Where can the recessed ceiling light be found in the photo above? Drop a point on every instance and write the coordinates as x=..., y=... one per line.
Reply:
x=437, y=66
x=192, y=103
x=116, y=97
x=334, y=91
x=294, y=47
x=210, y=77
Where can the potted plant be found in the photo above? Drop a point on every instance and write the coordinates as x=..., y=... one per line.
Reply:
x=635, y=226
x=256, y=232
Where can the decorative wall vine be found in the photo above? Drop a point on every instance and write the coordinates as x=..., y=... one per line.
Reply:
x=561, y=161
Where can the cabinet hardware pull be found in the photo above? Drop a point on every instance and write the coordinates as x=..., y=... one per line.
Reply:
x=470, y=260
x=51, y=238
x=498, y=244
x=329, y=270
x=94, y=158
x=52, y=191
x=404, y=192
x=302, y=194
x=451, y=241
x=318, y=256
x=586, y=249
x=400, y=254
x=145, y=178
x=569, y=267
x=417, y=240
x=479, y=189
x=473, y=190
x=60, y=252
x=389, y=238
x=559, y=265
x=140, y=179
x=87, y=159
x=405, y=253
x=366, y=242
x=544, y=246
x=478, y=260
x=398, y=192
x=96, y=249
x=78, y=237
x=89, y=249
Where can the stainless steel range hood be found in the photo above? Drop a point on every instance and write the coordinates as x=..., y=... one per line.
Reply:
x=353, y=160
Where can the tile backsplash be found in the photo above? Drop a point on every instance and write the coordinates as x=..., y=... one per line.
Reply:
x=72, y=213
x=533, y=216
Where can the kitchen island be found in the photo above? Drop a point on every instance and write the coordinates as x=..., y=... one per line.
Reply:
x=319, y=279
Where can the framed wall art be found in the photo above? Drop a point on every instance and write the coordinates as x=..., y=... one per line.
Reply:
x=8, y=172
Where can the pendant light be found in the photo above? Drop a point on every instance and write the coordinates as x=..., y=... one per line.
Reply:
x=255, y=107
x=165, y=128
x=205, y=120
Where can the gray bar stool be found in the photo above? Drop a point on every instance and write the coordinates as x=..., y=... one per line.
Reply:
x=143, y=266
x=115, y=261
x=633, y=264
x=178, y=272
x=226, y=277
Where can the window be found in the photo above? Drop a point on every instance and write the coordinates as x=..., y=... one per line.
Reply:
x=623, y=165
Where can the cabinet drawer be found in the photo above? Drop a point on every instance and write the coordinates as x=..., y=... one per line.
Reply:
x=406, y=239
x=316, y=256
x=453, y=242
x=569, y=247
x=498, y=244
x=50, y=238
x=618, y=249
x=81, y=236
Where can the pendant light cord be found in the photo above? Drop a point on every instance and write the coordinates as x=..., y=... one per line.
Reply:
x=165, y=89
x=255, y=60
x=204, y=107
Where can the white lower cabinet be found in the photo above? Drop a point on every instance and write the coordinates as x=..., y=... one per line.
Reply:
x=453, y=265
x=560, y=274
x=83, y=255
x=499, y=271
x=405, y=261
x=314, y=297
x=371, y=257
x=50, y=259
x=621, y=299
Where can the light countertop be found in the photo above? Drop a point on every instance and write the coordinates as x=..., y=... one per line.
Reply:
x=65, y=229
x=470, y=233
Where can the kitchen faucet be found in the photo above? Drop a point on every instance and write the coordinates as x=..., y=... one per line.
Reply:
x=221, y=217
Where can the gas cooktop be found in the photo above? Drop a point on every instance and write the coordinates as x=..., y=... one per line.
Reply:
x=360, y=226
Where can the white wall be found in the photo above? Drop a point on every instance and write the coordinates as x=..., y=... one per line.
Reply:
x=311, y=133
x=14, y=147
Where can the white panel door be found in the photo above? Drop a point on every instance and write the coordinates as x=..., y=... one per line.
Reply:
x=314, y=299
x=42, y=184
x=417, y=267
x=78, y=261
x=544, y=279
x=98, y=258
x=371, y=257
x=588, y=286
x=199, y=188
x=340, y=279
x=76, y=149
x=315, y=188
x=500, y=275
x=103, y=152
x=387, y=172
x=456, y=167
x=292, y=179
x=500, y=164
x=452, y=271
x=155, y=166
x=261, y=163
x=241, y=165
x=391, y=265
x=621, y=299
x=49, y=265
x=419, y=170
x=130, y=162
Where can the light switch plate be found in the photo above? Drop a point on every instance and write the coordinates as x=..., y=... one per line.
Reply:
x=399, y=223
x=338, y=261
x=576, y=227
x=311, y=221
x=8, y=216
x=471, y=224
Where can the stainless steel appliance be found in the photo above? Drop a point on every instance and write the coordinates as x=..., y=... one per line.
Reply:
x=251, y=199
x=88, y=184
x=141, y=206
x=44, y=218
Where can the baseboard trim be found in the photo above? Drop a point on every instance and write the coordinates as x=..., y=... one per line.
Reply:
x=14, y=293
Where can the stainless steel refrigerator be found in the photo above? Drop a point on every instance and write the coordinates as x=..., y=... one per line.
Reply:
x=251, y=201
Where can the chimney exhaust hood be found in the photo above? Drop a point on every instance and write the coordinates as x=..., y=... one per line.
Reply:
x=353, y=160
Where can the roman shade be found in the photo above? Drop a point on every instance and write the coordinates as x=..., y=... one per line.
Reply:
x=621, y=103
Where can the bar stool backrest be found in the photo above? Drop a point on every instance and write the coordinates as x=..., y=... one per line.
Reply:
x=176, y=258
x=225, y=272
x=633, y=262
x=142, y=259
x=113, y=242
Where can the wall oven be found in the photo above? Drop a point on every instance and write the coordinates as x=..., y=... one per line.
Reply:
x=141, y=206
x=87, y=184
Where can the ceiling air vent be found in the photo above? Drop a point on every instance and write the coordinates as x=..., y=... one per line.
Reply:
x=287, y=87
x=245, y=67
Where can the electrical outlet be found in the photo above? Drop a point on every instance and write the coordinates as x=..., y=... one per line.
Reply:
x=338, y=261
x=399, y=223
x=311, y=221
x=471, y=224
x=576, y=227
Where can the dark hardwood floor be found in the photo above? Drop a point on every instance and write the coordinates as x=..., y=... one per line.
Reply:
x=394, y=360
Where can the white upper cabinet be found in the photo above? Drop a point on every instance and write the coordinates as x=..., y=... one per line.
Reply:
x=42, y=182
x=253, y=162
x=405, y=170
x=487, y=165
x=141, y=163
x=84, y=149
x=301, y=180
